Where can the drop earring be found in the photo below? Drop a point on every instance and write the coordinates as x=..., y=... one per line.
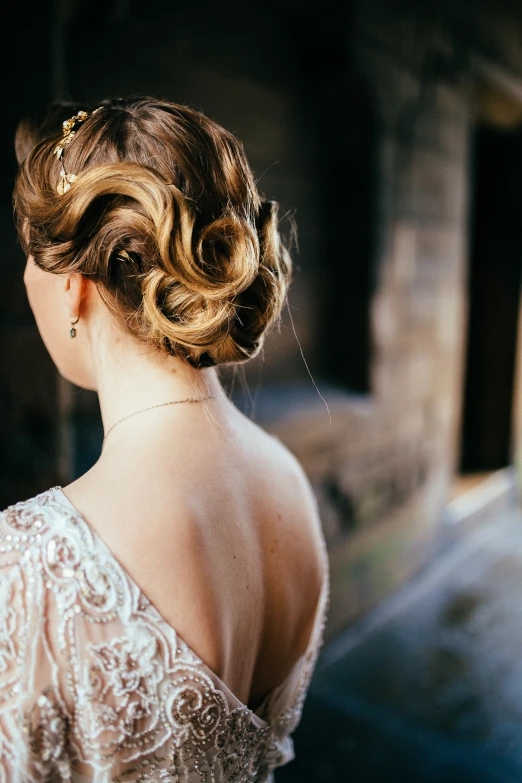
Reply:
x=72, y=331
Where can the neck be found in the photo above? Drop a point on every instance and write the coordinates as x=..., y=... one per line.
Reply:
x=132, y=377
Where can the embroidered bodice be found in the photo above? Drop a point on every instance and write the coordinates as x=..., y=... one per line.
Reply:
x=92, y=678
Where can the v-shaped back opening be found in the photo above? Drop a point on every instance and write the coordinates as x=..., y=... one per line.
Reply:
x=314, y=639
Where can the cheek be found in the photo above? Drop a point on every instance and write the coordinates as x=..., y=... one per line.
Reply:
x=43, y=293
x=46, y=294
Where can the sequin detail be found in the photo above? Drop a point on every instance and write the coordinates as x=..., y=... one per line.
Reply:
x=91, y=674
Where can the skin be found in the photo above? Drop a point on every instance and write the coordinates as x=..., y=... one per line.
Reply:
x=212, y=517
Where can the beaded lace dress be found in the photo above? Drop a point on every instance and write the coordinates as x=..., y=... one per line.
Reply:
x=92, y=678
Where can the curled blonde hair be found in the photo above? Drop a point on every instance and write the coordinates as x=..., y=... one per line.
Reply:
x=165, y=217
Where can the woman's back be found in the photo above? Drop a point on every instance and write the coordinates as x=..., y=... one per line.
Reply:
x=215, y=521
x=202, y=675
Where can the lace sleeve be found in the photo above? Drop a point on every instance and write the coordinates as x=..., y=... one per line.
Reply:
x=33, y=714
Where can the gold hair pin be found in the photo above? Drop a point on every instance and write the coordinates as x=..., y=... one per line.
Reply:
x=69, y=127
x=124, y=256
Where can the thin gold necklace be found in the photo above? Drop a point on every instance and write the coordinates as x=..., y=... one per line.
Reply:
x=158, y=405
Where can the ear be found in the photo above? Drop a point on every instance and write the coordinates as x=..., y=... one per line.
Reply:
x=75, y=287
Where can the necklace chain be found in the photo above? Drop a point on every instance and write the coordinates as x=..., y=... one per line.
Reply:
x=158, y=405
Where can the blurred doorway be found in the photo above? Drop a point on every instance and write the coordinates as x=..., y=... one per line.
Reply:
x=495, y=262
x=349, y=218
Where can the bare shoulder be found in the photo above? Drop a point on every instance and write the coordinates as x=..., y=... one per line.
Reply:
x=291, y=474
x=294, y=555
x=293, y=494
x=289, y=468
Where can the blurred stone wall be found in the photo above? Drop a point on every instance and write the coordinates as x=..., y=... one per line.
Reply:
x=392, y=459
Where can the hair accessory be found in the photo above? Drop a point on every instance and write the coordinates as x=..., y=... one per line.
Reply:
x=124, y=256
x=72, y=332
x=70, y=127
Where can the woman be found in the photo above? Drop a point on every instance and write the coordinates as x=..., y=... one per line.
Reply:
x=162, y=614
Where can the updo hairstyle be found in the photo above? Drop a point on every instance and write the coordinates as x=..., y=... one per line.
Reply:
x=165, y=217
